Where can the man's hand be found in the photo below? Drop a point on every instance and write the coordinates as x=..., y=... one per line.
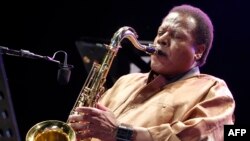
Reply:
x=97, y=122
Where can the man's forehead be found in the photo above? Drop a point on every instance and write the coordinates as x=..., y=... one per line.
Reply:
x=172, y=16
x=175, y=17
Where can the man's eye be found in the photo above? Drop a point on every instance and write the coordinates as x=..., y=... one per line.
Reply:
x=160, y=33
x=177, y=35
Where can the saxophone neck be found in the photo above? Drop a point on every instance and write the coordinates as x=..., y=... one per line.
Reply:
x=130, y=33
x=120, y=34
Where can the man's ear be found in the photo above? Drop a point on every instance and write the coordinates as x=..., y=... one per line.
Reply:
x=199, y=50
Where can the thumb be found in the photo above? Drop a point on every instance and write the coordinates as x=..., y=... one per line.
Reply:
x=101, y=107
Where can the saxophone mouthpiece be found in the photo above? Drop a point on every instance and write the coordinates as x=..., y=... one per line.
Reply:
x=151, y=49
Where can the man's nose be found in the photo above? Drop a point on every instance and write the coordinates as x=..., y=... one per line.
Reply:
x=164, y=40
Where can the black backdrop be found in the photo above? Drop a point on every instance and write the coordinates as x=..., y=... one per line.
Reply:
x=45, y=26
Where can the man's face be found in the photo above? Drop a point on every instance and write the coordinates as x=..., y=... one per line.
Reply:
x=176, y=42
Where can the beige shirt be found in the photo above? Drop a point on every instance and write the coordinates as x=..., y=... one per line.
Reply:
x=195, y=107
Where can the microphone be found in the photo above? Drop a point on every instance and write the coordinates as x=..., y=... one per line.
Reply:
x=64, y=71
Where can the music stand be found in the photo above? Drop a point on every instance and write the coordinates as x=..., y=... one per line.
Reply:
x=8, y=125
x=128, y=59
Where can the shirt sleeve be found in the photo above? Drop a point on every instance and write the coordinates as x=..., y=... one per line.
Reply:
x=205, y=121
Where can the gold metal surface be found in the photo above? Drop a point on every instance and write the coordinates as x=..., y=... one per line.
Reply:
x=54, y=130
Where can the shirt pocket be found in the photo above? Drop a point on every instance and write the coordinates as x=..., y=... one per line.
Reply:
x=147, y=115
x=160, y=113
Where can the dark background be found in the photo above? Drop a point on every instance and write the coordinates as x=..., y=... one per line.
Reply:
x=46, y=26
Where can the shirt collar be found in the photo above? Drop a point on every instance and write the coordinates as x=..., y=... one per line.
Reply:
x=192, y=72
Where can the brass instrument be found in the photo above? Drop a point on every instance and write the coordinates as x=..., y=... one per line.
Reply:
x=54, y=130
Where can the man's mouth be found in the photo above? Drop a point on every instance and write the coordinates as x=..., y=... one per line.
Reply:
x=158, y=51
x=161, y=53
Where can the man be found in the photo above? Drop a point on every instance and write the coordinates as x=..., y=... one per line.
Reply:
x=172, y=102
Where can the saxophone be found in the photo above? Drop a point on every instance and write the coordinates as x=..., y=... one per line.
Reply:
x=54, y=130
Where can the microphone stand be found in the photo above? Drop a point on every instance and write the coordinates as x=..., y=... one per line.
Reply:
x=64, y=71
x=27, y=54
